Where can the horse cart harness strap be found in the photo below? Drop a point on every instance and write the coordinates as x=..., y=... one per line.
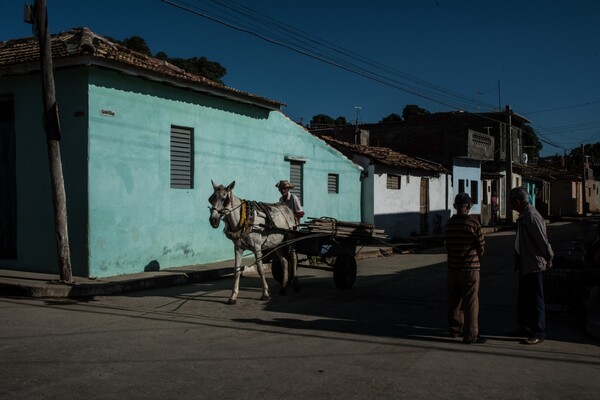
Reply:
x=247, y=214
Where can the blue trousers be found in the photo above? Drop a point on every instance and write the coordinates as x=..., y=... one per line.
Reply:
x=531, y=307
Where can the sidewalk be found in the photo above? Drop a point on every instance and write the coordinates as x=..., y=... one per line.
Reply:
x=38, y=285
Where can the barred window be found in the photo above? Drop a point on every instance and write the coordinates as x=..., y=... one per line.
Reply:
x=393, y=182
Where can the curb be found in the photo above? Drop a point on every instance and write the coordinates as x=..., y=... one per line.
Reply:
x=56, y=289
x=51, y=288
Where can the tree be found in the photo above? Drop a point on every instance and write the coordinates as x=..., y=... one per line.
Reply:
x=411, y=110
x=321, y=120
x=194, y=65
x=324, y=120
x=393, y=117
x=138, y=44
x=201, y=66
x=341, y=121
x=531, y=142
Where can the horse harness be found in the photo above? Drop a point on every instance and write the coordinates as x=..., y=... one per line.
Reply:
x=248, y=211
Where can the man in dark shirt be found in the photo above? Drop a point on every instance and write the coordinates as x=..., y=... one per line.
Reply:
x=465, y=246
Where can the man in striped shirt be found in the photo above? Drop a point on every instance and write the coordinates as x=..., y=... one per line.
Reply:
x=465, y=245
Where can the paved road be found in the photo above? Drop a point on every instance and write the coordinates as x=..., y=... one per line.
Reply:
x=386, y=338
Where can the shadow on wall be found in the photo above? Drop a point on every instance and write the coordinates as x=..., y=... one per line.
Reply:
x=403, y=225
x=152, y=266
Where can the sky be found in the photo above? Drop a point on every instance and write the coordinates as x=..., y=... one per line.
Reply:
x=365, y=60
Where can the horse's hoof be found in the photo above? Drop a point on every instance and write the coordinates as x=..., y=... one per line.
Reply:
x=283, y=291
x=231, y=302
x=265, y=297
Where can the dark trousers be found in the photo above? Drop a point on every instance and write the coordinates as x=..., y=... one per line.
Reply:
x=463, y=302
x=531, y=307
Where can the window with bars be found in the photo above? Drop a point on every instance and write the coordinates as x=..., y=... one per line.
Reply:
x=333, y=183
x=393, y=182
x=182, y=157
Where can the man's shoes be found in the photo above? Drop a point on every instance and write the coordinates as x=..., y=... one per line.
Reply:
x=532, y=340
x=478, y=340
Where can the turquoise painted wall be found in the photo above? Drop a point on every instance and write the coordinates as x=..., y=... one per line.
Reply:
x=137, y=222
x=36, y=244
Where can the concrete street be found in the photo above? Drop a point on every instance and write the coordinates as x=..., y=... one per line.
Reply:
x=386, y=338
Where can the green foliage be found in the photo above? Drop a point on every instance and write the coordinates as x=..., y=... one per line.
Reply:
x=194, y=65
x=411, y=110
x=531, y=142
x=324, y=120
x=138, y=44
x=393, y=117
x=341, y=121
x=200, y=66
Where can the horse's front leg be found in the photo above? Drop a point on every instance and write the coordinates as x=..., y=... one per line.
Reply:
x=237, y=273
x=261, y=273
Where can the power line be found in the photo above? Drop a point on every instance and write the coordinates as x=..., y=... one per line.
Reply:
x=430, y=92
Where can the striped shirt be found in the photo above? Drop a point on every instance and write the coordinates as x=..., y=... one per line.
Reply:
x=464, y=242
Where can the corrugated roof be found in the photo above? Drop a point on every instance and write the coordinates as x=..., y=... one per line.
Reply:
x=385, y=156
x=81, y=45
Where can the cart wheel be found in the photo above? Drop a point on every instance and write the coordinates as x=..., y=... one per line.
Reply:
x=344, y=271
x=277, y=271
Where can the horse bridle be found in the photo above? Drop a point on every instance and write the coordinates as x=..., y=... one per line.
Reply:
x=224, y=210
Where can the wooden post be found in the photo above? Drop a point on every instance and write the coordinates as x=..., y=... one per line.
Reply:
x=509, y=164
x=52, y=128
x=583, y=182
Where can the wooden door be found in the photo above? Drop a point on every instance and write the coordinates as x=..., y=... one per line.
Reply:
x=424, y=205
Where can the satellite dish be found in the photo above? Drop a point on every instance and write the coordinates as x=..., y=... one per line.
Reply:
x=524, y=158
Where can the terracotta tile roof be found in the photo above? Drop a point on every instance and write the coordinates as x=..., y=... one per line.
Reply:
x=385, y=156
x=545, y=173
x=77, y=44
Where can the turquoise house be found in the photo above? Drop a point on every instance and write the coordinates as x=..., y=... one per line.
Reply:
x=141, y=142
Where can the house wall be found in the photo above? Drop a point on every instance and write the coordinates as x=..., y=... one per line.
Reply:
x=137, y=222
x=397, y=211
x=123, y=217
x=593, y=196
x=469, y=171
x=565, y=197
x=36, y=243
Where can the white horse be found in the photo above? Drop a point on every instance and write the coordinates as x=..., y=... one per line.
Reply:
x=256, y=227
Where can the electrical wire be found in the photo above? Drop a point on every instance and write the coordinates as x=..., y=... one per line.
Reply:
x=427, y=90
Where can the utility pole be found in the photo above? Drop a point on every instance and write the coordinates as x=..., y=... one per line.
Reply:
x=356, y=124
x=583, y=181
x=509, y=163
x=39, y=18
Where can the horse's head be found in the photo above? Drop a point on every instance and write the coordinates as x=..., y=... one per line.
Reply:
x=219, y=201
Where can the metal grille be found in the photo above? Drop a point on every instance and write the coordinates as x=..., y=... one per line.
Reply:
x=182, y=160
x=333, y=183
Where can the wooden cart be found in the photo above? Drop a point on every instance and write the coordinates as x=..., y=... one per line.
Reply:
x=332, y=242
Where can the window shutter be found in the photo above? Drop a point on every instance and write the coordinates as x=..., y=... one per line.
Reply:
x=393, y=182
x=182, y=166
x=296, y=178
x=333, y=183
